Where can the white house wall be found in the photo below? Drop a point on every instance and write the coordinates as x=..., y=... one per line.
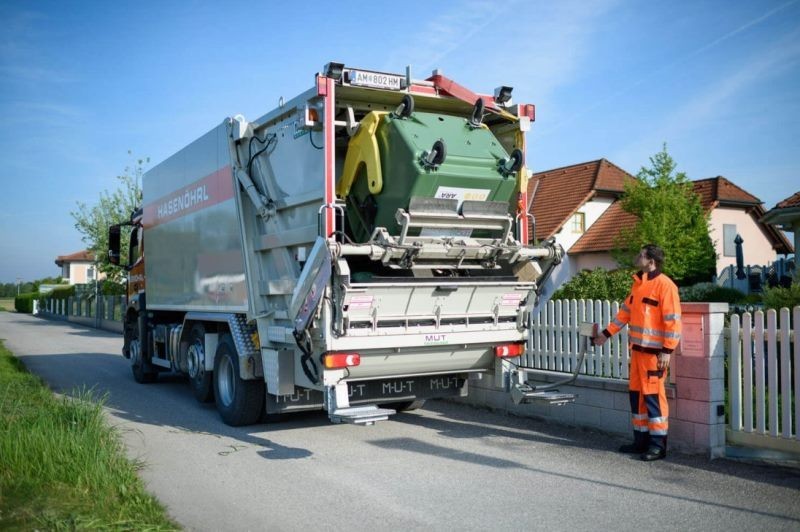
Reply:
x=756, y=247
x=590, y=261
x=592, y=210
x=78, y=272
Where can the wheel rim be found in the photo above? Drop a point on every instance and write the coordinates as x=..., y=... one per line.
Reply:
x=226, y=380
x=135, y=350
x=196, y=361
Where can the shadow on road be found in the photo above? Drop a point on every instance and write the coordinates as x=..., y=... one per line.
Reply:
x=413, y=445
x=465, y=421
x=168, y=402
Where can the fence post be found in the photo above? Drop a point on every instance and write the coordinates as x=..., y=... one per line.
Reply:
x=698, y=420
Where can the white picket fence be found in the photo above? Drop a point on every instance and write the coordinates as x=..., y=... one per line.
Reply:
x=554, y=343
x=764, y=374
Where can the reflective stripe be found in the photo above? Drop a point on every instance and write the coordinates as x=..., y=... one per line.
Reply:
x=618, y=323
x=672, y=317
x=654, y=332
x=658, y=432
x=641, y=429
x=648, y=343
x=625, y=308
x=639, y=416
x=658, y=420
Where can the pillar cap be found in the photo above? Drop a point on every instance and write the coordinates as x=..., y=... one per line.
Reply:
x=704, y=308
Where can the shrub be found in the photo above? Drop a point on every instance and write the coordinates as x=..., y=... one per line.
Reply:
x=710, y=292
x=24, y=302
x=110, y=288
x=597, y=284
x=62, y=292
x=779, y=297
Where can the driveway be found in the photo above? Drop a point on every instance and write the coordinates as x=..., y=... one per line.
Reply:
x=447, y=466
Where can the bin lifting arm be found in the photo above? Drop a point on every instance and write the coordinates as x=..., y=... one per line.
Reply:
x=362, y=151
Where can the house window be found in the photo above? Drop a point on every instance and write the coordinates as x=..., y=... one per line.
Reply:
x=66, y=270
x=728, y=236
x=90, y=274
x=579, y=223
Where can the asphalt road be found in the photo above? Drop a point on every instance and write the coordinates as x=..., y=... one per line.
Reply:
x=447, y=466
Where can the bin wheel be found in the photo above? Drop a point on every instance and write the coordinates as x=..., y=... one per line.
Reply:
x=476, y=118
x=406, y=107
x=441, y=153
x=515, y=161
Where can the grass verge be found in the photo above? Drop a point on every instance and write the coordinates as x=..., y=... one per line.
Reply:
x=62, y=467
x=6, y=304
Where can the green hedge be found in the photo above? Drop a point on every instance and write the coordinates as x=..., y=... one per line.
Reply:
x=597, y=284
x=110, y=288
x=713, y=293
x=779, y=297
x=24, y=302
x=62, y=292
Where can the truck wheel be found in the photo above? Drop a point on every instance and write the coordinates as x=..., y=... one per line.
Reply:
x=143, y=372
x=199, y=378
x=239, y=401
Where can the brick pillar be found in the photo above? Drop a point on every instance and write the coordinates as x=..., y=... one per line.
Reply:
x=697, y=420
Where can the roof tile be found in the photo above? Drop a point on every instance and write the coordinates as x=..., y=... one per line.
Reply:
x=791, y=201
x=714, y=190
x=600, y=236
x=556, y=194
x=78, y=256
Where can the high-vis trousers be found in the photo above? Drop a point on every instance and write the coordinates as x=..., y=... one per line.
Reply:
x=648, y=401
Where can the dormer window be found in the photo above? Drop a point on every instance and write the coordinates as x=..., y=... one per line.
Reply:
x=579, y=223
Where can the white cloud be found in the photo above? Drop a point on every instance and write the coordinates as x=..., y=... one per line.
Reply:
x=670, y=66
x=716, y=100
x=536, y=46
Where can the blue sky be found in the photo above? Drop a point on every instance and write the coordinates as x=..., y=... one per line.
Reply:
x=82, y=83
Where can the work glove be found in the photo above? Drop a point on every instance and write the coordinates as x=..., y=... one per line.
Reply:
x=663, y=361
x=599, y=340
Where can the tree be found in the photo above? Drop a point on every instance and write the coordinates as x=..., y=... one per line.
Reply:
x=112, y=208
x=669, y=215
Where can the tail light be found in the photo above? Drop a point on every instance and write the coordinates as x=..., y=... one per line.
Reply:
x=509, y=350
x=528, y=110
x=340, y=360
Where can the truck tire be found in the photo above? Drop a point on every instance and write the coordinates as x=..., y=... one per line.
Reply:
x=143, y=371
x=239, y=401
x=199, y=379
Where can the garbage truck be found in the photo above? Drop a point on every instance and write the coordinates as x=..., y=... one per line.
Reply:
x=359, y=249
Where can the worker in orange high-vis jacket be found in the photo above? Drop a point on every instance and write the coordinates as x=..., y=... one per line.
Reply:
x=652, y=312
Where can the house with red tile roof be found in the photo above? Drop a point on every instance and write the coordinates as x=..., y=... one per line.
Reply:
x=578, y=206
x=786, y=216
x=78, y=267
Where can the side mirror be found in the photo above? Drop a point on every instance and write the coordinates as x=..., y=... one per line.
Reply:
x=114, y=233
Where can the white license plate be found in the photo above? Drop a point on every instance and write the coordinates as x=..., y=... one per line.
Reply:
x=375, y=80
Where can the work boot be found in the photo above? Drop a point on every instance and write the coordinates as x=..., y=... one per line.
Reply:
x=654, y=453
x=640, y=443
x=632, y=448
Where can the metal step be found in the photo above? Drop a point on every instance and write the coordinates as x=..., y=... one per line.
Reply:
x=525, y=393
x=361, y=415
